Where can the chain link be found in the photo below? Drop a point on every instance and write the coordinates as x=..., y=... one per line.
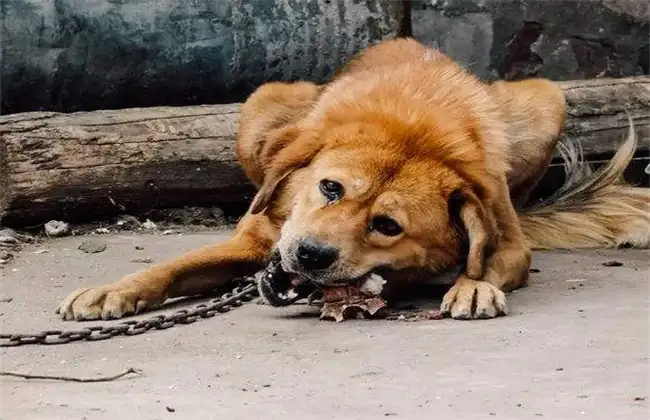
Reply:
x=244, y=292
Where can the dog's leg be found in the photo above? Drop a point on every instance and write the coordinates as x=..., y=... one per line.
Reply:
x=534, y=110
x=504, y=270
x=196, y=272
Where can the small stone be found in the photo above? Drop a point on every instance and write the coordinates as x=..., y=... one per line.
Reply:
x=6, y=300
x=5, y=257
x=56, y=228
x=139, y=248
x=149, y=225
x=613, y=263
x=5, y=239
x=639, y=398
x=92, y=246
x=8, y=232
x=102, y=231
x=142, y=260
x=11, y=237
x=128, y=222
x=170, y=409
x=168, y=232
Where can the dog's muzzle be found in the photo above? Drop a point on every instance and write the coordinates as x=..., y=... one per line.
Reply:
x=280, y=288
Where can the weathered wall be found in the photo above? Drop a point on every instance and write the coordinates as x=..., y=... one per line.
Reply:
x=67, y=55
x=558, y=39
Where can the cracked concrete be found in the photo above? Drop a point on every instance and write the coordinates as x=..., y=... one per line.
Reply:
x=575, y=346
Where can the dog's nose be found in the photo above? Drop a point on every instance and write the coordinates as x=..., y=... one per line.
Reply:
x=314, y=256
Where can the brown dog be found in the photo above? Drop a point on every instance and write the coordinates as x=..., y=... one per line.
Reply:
x=403, y=162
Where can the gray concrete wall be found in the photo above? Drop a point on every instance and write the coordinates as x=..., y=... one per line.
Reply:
x=558, y=39
x=68, y=55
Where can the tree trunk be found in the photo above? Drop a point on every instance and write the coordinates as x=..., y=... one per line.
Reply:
x=92, y=165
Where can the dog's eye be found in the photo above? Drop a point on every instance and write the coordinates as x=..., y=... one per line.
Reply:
x=385, y=226
x=332, y=190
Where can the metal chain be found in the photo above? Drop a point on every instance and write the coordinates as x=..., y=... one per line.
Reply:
x=244, y=292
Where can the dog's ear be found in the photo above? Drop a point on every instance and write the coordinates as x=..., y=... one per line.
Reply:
x=477, y=228
x=290, y=148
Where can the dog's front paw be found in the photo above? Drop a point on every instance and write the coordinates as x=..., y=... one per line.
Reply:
x=471, y=299
x=111, y=301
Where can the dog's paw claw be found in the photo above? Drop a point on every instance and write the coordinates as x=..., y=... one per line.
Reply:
x=471, y=299
x=104, y=302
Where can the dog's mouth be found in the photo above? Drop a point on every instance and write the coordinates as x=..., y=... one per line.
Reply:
x=281, y=288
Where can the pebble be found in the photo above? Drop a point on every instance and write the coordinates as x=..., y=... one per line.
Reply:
x=613, y=264
x=142, y=260
x=128, y=222
x=92, y=246
x=5, y=257
x=6, y=239
x=149, y=225
x=56, y=228
x=11, y=237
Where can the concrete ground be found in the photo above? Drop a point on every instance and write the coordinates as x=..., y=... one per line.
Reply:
x=575, y=346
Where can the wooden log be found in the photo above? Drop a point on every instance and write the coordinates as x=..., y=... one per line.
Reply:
x=598, y=112
x=92, y=165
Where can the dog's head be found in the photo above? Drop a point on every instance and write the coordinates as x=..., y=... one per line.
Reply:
x=376, y=195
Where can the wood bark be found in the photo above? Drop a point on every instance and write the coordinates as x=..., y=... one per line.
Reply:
x=92, y=165
x=598, y=111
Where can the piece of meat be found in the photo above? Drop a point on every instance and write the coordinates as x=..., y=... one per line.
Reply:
x=349, y=301
x=279, y=288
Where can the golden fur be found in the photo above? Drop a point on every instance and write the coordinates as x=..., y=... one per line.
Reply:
x=429, y=161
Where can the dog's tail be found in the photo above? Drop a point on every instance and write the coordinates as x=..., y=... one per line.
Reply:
x=593, y=209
